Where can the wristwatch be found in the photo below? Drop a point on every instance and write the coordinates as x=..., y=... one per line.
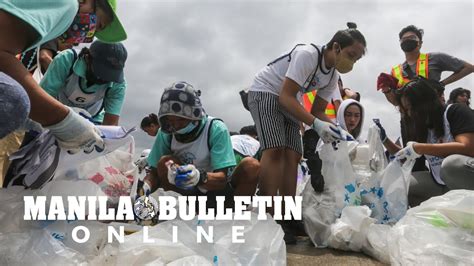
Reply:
x=202, y=177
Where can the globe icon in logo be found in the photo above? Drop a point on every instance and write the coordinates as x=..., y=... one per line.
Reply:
x=145, y=208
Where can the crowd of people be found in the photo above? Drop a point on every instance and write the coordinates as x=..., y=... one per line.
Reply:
x=296, y=101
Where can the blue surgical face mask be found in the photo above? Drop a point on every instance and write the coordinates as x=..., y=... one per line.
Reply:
x=187, y=129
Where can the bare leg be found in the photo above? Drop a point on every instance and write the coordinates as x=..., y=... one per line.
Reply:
x=271, y=172
x=245, y=177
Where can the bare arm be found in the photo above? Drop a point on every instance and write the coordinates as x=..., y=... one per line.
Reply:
x=110, y=120
x=46, y=57
x=216, y=180
x=464, y=145
x=288, y=100
x=391, y=147
x=16, y=35
x=466, y=70
x=319, y=109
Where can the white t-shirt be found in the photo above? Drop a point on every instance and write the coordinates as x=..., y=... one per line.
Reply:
x=245, y=145
x=299, y=66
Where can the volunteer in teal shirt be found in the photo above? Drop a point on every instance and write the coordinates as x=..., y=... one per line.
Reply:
x=25, y=24
x=92, y=80
x=199, y=149
x=221, y=151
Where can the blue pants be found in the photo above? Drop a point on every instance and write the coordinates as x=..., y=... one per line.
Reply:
x=14, y=105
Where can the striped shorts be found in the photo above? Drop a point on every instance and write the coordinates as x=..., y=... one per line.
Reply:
x=276, y=128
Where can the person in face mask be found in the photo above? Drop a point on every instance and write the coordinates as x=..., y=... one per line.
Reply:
x=427, y=65
x=277, y=112
x=193, y=153
x=93, y=80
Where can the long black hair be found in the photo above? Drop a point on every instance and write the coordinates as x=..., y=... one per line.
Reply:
x=427, y=110
x=347, y=37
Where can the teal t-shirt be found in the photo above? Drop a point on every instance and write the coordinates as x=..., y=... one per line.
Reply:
x=50, y=18
x=222, y=154
x=58, y=72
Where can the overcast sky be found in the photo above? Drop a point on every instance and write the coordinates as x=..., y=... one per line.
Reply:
x=218, y=46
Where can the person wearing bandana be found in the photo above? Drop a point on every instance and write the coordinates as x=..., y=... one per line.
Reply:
x=193, y=153
x=427, y=65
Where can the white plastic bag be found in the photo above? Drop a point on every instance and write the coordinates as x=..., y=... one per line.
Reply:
x=369, y=171
x=320, y=210
x=339, y=176
x=438, y=232
x=384, y=188
x=263, y=245
x=356, y=231
x=114, y=172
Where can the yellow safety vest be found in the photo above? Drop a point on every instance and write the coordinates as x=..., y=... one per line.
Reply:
x=421, y=70
x=308, y=99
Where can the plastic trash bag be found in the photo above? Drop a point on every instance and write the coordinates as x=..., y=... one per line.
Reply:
x=320, y=210
x=39, y=161
x=36, y=247
x=357, y=231
x=438, y=232
x=114, y=172
x=303, y=177
x=263, y=245
x=384, y=188
x=369, y=166
x=350, y=231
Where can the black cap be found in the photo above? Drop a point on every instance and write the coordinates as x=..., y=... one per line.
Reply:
x=108, y=60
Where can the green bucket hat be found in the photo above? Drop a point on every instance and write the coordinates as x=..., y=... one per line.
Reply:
x=114, y=32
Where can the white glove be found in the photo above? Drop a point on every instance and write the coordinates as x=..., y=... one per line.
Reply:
x=75, y=133
x=187, y=177
x=328, y=132
x=407, y=153
x=141, y=163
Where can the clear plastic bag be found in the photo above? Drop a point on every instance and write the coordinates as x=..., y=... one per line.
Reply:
x=438, y=232
x=320, y=210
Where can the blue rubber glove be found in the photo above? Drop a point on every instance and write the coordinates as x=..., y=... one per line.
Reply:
x=187, y=177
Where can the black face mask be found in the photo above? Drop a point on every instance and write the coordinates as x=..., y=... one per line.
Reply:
x=93, y=79
x=409, y=45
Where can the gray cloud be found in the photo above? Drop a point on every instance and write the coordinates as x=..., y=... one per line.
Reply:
x=218, y=46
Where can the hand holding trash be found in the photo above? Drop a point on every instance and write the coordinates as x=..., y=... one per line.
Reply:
x=75, y=132
x=188, y=176
x=407, y=153
x=328, y=132
x=385, y=82
x=141, y=163
x=172, y=171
